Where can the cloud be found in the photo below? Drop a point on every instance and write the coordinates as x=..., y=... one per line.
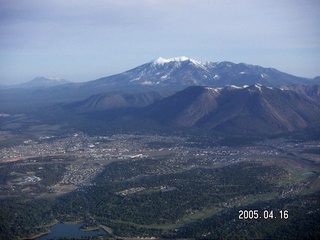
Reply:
x=61, y=31
x=222, y=22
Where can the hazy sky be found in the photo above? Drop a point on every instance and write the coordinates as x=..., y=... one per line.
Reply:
x=84, y=40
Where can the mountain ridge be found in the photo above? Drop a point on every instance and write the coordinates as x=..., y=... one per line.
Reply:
x=161, y=75
x=115, y=100
x=250, y=109
x=177, y=73
x=245, y=110
x=180, y=72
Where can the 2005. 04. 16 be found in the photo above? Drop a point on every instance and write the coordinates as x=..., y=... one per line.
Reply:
x=255, y=214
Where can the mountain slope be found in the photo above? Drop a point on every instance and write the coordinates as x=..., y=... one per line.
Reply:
x=231, y=110
x=115, y=100
x=311, y=92
x=241, y=110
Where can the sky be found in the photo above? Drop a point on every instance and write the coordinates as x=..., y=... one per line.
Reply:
x=84, y=40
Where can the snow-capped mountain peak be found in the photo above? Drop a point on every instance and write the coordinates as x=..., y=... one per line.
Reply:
x=179, y=72
x=161, y=60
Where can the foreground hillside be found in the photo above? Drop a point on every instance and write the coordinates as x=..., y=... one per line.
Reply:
x=253, y=110
x=248, y=109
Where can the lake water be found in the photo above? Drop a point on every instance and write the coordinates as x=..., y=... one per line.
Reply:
x=69, y=230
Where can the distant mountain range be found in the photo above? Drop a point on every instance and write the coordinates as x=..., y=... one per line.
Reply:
x=225, y=97
x=174, y=74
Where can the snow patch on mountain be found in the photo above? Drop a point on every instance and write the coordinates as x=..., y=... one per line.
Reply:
x=147, y=83
x=258, y=86
x=263, y=75
x=239, y=87
x=215, y=89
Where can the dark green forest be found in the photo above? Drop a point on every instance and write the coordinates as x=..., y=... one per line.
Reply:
x=133, y=200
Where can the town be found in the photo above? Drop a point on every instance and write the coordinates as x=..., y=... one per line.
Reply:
x=90, y=155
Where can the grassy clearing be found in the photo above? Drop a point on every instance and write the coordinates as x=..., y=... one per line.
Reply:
x=162, y=226
x=206, y=213
x=296, y=174
x=168, y=226
x=302, y=174
x=261, y=197
x=314, y=185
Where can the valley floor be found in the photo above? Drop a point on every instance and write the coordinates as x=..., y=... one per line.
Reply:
x=140, y=185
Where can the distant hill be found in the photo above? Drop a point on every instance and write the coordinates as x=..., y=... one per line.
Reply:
x=42, y=82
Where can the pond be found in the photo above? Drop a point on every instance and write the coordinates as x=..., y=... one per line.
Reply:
x=70, y=231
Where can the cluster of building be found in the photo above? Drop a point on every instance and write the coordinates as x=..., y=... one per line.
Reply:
x=92, y=153
x=80, y=175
